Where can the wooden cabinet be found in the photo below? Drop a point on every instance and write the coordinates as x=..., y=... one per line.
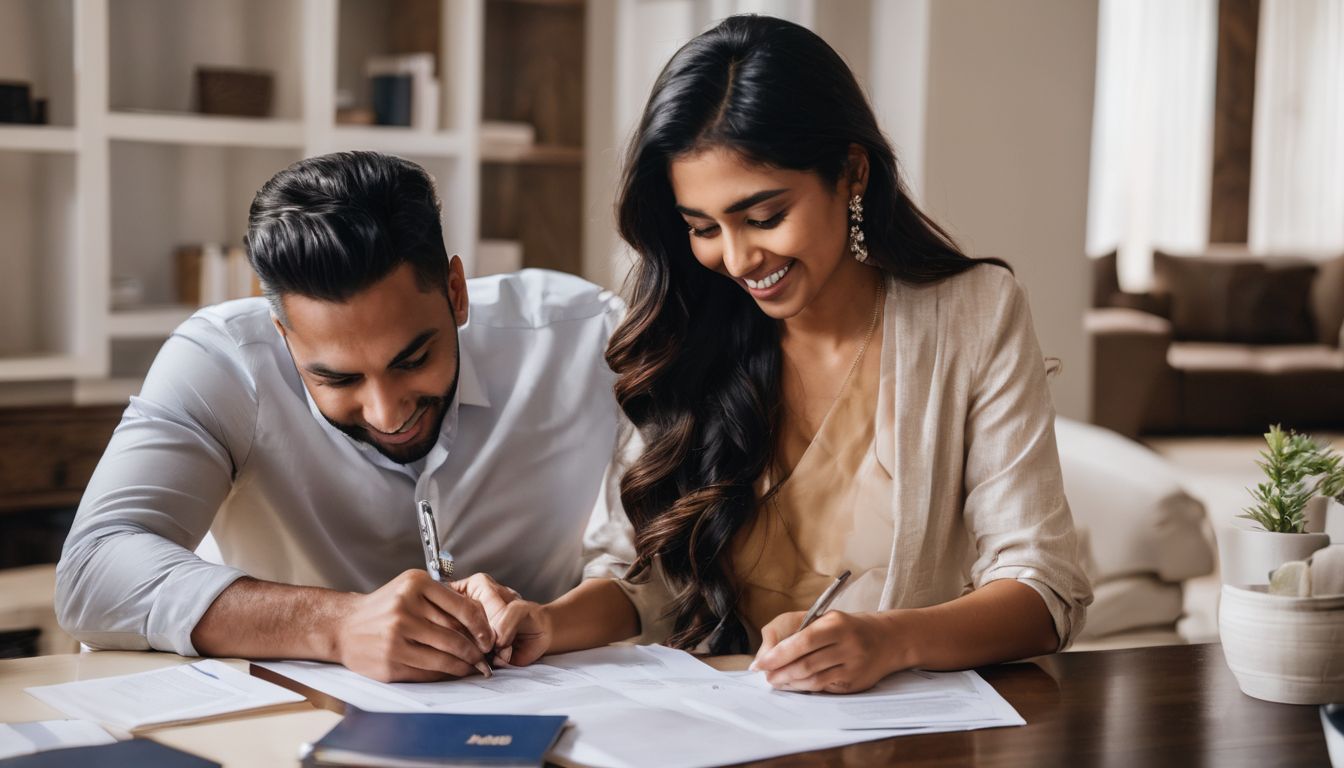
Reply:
x=48, y=454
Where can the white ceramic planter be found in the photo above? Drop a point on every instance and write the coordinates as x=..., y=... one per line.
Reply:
x=1247, y=556
x=1284, y=649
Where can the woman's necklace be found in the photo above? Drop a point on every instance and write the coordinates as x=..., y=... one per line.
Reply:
x=867, y=337
x=853, y=367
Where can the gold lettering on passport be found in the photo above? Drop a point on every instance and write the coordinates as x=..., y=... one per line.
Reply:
x=489, y=740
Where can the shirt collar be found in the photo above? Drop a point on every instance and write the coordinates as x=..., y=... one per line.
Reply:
x=469, y=389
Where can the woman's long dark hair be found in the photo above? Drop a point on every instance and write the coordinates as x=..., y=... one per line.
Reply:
x=698, y=363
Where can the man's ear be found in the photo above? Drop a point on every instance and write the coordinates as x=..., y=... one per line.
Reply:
x=457, y=291
x=856, y=170
x=279, y=326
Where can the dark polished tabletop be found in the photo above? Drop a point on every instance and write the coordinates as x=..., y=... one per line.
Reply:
x=1141, y=707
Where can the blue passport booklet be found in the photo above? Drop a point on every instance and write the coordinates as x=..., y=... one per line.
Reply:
x=412, y=740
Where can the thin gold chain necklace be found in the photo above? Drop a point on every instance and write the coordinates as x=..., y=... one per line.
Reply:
x=867, y=337
x=853, y=366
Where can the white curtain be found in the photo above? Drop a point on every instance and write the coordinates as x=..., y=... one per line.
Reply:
x=1152, y=131
x=1297, y=157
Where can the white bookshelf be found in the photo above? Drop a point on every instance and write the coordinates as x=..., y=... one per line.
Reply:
x=206, y=130
x=19, y=138
x=126, y=172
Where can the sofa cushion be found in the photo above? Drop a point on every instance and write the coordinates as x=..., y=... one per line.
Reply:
x=1130, y=508
x=1250, y=301
x=1133, y=602
x=1270, y=360
x=1327, y=302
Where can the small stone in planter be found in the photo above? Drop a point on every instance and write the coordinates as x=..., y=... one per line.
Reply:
x=1320, y=575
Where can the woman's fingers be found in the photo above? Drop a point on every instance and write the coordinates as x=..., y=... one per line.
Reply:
x=806, y=666
x=492, y=595
x=839, y=678
x=508, y=621
x=818, y=635
x=773, y=633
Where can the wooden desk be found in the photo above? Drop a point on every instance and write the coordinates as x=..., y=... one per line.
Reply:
x=242, y=742
x=1172, y=705
x=1164, y=706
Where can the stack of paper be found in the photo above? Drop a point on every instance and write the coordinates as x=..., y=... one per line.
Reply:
x=173, y=695
x=658, y=707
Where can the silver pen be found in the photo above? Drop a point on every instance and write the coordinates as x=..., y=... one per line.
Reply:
x=824, y=601
x=439, y=562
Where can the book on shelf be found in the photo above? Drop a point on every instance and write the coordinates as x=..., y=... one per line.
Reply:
x=405, y=91
x=210, y=274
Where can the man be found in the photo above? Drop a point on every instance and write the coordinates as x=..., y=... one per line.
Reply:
x=301, y=430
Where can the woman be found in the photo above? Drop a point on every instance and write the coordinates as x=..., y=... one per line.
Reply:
x=820, y=381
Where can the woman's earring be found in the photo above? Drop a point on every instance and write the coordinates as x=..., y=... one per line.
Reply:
x=857, y=247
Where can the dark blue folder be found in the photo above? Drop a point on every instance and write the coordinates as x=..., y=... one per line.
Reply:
x=406, y=739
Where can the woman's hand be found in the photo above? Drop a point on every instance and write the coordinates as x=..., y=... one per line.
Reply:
x=838, y=653
x=523, y=632
x=492, y=595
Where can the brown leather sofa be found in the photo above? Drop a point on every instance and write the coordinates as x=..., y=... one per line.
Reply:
x=1223, y=343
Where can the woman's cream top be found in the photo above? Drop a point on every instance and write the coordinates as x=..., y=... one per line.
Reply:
x=963, y=434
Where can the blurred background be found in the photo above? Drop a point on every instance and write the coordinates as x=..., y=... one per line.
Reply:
x=1166, y=177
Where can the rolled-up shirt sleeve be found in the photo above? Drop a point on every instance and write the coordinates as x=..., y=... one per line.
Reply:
x=609, y=545
x=1015, y=506
x=128, y=577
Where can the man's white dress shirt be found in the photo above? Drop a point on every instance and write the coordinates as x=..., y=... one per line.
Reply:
x=224, y=438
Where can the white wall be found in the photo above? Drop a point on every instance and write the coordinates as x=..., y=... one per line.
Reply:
x=989, y=106
x=1008, y=133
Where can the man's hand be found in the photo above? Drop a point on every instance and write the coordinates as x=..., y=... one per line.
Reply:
x=414, y=629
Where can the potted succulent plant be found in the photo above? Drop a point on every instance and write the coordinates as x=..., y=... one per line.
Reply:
x=1280, y=648
x=1297, y=470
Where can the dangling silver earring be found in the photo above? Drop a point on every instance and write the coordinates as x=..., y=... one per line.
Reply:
x=857, y=247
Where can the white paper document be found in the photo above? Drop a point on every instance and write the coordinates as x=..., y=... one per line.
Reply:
x=657, y=707
x=177, y=694
x=26, y=738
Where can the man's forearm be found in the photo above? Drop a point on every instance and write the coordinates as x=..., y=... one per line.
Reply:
x=261, y=619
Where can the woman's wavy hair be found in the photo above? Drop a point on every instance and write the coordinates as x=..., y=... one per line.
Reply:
x=698, y=363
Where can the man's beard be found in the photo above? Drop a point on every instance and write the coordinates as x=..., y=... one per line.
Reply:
x=435, y=409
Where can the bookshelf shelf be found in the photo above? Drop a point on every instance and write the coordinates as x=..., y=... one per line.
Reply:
x=399, y=141
x=206, y=130
x=35, y=138
x=39, y=367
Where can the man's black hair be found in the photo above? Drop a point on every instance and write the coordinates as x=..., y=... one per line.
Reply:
x=328, y=227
